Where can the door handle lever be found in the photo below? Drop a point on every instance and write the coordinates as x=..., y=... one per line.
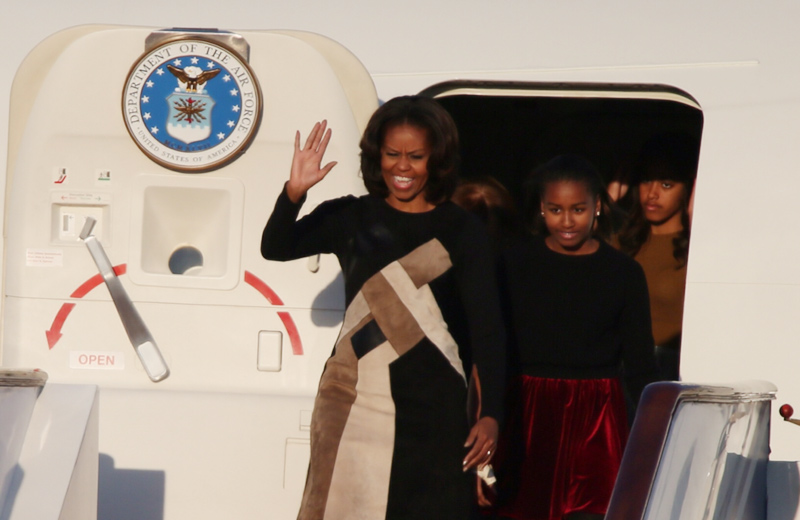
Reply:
x=138, y=334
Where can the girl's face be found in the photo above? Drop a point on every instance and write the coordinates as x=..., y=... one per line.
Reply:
x=404, y=166
x=662, y=204
x=569, y=211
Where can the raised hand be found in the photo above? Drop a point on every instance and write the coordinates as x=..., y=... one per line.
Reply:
x=306, y=162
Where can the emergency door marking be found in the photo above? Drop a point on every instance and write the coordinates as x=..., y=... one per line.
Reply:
x=54, y=334
x=274, y=299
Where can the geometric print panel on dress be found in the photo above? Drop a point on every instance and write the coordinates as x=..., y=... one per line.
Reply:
x=367, y=338
x=352, y=430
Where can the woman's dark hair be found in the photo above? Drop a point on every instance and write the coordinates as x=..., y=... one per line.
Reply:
x=567, y=168
x=666, y=157
x=425, y=114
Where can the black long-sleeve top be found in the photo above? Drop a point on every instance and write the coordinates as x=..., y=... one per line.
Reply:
x=578, y=316
x=366, y=234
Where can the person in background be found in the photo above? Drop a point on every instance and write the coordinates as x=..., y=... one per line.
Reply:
x=579, y=323
x=487, y=198
x=390, y=436
x=657, y=236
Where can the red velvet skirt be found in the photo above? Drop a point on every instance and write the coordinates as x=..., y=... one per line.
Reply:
x=561, y=448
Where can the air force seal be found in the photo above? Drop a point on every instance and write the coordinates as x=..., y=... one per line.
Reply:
x=192, y=105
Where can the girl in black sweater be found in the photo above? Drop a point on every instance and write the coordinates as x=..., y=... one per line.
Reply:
x=580, y=324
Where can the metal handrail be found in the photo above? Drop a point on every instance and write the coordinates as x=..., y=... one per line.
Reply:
x=650, y=431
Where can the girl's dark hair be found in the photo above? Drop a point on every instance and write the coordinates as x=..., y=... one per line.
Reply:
x=567, y=168
x=667, y=157
x=423, y=113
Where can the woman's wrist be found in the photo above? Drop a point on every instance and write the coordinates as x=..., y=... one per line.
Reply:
x=295, y=195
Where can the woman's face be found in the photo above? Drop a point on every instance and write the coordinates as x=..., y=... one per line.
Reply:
x=662, y=204
x=569, y=212
x=404, y=166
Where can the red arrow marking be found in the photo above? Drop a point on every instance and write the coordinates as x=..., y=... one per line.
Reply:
x=96, y=280
x=294, y=334
x=263, y=288
x=286, y=318
x=54, y=334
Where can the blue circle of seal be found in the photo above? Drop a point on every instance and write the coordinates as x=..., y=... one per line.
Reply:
x=192, y=111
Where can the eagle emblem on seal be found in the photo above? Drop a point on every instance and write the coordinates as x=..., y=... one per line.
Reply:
x=192, y=104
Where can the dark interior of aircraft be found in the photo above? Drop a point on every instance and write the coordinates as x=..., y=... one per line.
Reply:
x=507, y=137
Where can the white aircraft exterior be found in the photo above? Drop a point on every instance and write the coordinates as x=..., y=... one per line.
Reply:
x=245, y=431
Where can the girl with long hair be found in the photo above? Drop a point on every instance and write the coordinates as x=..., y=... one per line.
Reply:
x=657, y=236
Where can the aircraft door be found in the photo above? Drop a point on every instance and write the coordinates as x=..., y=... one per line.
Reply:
x=180, y=168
